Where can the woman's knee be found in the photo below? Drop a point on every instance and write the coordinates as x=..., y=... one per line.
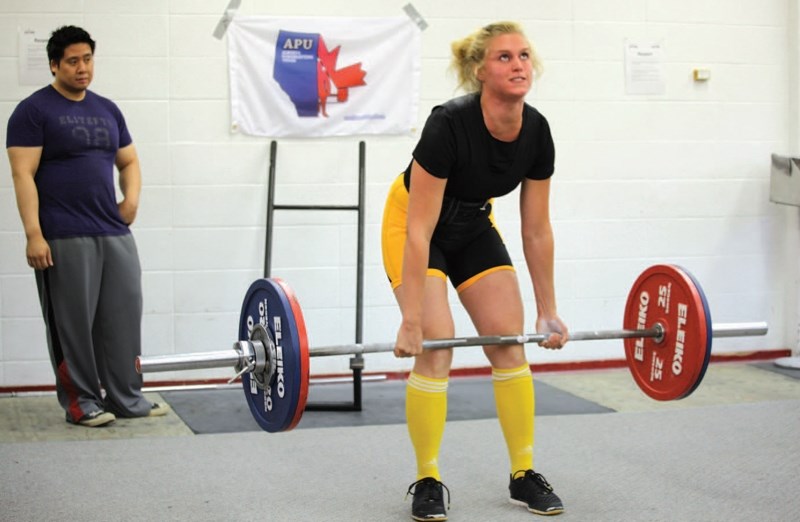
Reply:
x=506, y=356
x=434, y=363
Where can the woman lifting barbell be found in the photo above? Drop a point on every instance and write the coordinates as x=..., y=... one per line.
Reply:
x=438, y=224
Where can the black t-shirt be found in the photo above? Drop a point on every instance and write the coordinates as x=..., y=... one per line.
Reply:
x=456, y=145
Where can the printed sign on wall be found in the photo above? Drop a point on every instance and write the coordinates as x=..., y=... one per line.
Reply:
x=309, y=77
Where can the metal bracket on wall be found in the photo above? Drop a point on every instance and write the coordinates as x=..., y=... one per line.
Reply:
x=357, y=361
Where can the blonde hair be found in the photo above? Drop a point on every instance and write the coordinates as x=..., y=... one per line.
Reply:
x=470, y=52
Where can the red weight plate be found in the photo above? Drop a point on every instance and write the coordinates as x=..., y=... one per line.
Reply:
x=672, y=368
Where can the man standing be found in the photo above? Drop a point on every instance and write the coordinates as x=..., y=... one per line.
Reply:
x=63, y=144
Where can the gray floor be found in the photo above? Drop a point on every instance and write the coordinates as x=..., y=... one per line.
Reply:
x=731, y=451
x=717, y=463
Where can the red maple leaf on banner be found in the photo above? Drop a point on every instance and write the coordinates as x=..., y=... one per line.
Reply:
x=343, y=79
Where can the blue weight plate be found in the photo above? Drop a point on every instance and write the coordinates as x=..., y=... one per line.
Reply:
x=280, y=405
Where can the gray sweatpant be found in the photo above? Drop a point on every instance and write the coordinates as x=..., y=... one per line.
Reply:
x=92, y=307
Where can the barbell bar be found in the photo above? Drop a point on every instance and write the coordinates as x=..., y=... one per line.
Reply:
x=237, y=357
x=719, y=330
x=667, y=333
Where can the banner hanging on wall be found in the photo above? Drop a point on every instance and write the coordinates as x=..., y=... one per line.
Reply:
x=317, y=77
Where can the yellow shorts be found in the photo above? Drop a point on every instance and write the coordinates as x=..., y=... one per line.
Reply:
x=466, y=244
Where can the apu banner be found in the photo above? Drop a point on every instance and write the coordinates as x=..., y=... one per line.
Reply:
x=314, y=77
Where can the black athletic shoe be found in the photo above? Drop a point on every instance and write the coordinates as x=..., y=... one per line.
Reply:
x=533, y=491
x=95, y=419
x=428, y=501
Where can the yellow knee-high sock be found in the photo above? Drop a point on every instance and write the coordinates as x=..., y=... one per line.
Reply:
x=514, y=397
x=426, y=413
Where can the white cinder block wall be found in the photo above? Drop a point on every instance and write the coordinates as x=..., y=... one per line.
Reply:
x=681, y=177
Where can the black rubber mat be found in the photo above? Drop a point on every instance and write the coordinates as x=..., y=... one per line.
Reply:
x=226, y=410
x=770, y=366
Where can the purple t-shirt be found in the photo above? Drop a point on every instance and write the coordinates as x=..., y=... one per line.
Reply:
x=75, y=179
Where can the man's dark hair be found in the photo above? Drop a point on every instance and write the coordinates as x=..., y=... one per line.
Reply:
x=62, y=38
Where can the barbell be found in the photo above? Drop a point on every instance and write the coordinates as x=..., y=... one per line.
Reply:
x=667, y=334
